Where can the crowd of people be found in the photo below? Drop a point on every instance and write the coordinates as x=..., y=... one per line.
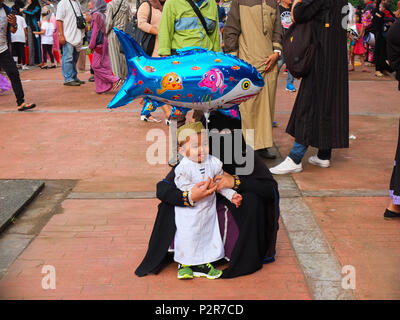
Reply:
x=367, y=39
x=320, y=115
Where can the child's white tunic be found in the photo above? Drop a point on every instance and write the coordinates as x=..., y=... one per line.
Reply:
x=198, y=238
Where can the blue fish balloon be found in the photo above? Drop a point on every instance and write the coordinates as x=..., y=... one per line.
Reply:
x=195, y=78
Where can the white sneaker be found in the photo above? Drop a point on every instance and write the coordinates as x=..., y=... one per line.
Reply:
x=318, y=162
x=287, y=166
x=24, y=67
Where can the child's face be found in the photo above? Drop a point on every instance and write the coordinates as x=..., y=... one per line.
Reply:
x=357, y=18
x=195, y=148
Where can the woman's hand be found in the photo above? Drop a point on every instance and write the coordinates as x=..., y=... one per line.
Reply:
x=237, y=200
x=202, y=190
x=293, y=5
x=224, y=181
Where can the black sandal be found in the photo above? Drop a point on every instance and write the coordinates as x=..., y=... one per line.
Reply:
x=25, y=106
x=390, y=214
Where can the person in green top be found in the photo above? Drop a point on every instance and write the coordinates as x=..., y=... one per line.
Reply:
x=180, y=27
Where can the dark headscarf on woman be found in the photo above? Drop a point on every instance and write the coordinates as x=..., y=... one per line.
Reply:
x=99, y=6
x=32, y=6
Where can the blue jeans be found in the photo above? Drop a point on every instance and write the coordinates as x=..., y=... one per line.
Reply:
x=298, y=151
x=290, y=78
x=69, y=60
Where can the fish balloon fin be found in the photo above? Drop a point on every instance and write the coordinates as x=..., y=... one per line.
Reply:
x=232, y=112
x=150, y=106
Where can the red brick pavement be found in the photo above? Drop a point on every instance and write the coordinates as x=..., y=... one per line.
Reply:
x=95, y=245
x=356, y=230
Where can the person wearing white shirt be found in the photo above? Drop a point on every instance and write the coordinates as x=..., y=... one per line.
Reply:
x=46, y=31
x=18, y=40
x=71, y=39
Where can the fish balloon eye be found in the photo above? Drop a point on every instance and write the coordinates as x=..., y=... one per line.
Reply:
x=178, y=80
x=212, y=78
x=170, y=79
x=246, y=85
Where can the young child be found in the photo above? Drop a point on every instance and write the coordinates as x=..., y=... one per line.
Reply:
x=198, y=240
x=18, y=40
x=358, y=49
x=46, y=31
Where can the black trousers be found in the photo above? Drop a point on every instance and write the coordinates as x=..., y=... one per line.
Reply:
x=9, y=66
x=48, y=49
x=18, y=50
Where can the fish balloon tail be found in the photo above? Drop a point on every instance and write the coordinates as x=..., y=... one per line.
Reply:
x=132, y=51
x=131, y=48
x=150, y=106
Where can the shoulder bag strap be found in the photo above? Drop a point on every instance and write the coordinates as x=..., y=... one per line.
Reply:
x=73, y=8
x=198, y=13
x=116, y=12
x=149, y=18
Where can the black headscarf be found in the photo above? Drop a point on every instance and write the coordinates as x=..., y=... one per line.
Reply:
x=221, y=122
x=32, y=6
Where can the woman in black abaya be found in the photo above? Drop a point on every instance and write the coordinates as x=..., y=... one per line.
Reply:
x=393, y=46
x=320, y=115
x=249, y=232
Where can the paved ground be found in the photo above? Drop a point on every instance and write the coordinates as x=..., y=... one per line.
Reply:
x=97, y=235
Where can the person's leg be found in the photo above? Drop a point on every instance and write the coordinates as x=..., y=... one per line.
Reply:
x=75, y=55
x=45, y=51
x=21, y=46
x=352, y=60
x=289, y=82
x=322, y=159
x=297, y=153
x=67, y=63
x=292, y=163
x=14, y=47
x=325, y=154
x=9, y=66
x=281, y=62
x=50, y=52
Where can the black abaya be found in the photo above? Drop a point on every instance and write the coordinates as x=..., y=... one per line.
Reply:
x=256, y=219
x=320, y=116
x=395, y=181
x=393, y=48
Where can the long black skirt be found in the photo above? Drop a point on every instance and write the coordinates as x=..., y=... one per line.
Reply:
x=395, y=181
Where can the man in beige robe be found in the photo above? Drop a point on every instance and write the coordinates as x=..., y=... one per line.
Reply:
x=253, y=32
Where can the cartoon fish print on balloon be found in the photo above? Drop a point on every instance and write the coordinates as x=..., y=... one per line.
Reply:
x=194, y=78
x=213, y=79
x=171, y=81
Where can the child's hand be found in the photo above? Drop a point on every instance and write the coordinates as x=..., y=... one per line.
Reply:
x=237, y=200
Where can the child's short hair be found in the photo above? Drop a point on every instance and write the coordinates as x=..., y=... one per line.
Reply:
x=187, y=130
